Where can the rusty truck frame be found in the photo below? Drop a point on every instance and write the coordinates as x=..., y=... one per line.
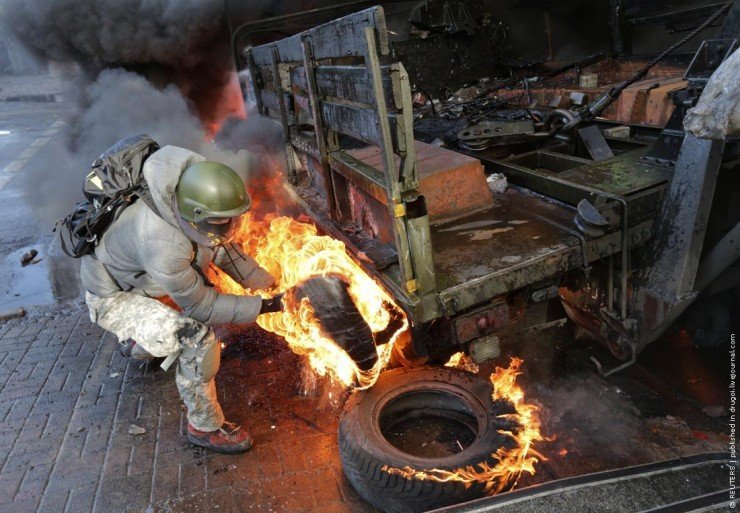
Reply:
x=611, y=223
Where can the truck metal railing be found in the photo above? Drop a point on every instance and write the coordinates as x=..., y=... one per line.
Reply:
x=334, y=82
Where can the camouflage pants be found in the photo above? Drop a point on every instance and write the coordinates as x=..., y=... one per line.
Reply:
x=162, y=331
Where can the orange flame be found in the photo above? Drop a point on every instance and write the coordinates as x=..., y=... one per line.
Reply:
x=463, y=362
x=511, y=462
x=293, y=251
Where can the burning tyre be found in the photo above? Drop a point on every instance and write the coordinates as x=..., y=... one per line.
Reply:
x=340, y=318
x=407, y=443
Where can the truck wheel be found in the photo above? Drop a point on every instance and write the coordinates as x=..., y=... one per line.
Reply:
x=424, y=418
x=339, y=318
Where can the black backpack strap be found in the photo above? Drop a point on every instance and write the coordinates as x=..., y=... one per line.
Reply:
x=194, y=265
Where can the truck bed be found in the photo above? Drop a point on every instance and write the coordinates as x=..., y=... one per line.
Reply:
x=521, y=239
x=499, y=241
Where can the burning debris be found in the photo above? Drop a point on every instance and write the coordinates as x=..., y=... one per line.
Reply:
x=339, y=318
x=321, y=283
x=427, y=437
x=464, y=362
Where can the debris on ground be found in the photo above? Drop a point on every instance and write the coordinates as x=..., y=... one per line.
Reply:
x=714, y=410
x=28, y=256
x=497, y=183
x=225, y=469
x=12, y=314
x=133, y=429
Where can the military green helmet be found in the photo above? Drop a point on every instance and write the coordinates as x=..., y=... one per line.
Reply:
x=211, y=190
x=208, y=197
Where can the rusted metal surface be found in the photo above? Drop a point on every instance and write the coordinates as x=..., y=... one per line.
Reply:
x=479, y=246
x=510, y=246
x=679, y=238
x=482, y=322
x=647, y=102
x=571, y=179
x=595, y=143
x=471, y=272
x=453, y=184
x=496, y=241
x=339, y=79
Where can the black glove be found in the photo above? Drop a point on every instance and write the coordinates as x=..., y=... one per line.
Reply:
x=274, y=304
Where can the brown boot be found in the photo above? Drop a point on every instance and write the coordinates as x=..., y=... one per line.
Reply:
x=228, y=439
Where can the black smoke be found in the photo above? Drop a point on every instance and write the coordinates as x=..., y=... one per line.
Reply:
x=184, y=42
x=121, y=103
x=161, y=67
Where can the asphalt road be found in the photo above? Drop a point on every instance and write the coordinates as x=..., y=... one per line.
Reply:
x=30, y=140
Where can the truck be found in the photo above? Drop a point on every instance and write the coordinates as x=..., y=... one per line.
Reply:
x=490, y=213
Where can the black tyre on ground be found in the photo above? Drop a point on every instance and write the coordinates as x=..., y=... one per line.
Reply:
x=339, y=317
x=420, y=418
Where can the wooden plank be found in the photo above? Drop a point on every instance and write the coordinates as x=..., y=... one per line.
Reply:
x=290, y=49
x=309, y=65
x=270, y=100
x=265, y=75
x=262, y=55
x=256, y=82
x=350, y=83
x=305, y=143
x=356, y=122
x=343, y=37
x=303, y=107
x=298, y=80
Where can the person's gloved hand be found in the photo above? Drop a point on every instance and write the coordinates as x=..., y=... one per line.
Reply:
x=273, y=304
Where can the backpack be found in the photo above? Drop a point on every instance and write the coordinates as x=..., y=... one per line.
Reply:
x=114, y=182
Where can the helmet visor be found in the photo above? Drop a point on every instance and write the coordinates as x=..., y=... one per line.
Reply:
x=211, y=231
x=216, y=225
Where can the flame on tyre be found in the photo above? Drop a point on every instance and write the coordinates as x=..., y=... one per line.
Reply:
x=292, y=251
x=510, y=462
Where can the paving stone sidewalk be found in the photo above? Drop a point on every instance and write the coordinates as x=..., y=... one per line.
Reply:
x=67, y=400
x=56, y=406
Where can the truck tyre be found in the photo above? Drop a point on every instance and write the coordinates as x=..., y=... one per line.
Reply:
x=370, y=436
x=339, y=318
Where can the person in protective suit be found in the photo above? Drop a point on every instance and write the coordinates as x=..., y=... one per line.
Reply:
x=146, y=255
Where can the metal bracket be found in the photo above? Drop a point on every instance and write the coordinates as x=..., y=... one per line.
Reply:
x=279, y=91
x=318, y=125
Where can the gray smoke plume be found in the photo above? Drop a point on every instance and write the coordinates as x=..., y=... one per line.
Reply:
x=160, y=67
x=182, y=42
x=173, y=41
x=176, y=33
x=589, y=416
x=120, y=104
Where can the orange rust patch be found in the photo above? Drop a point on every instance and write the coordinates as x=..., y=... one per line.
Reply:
x=452, y=183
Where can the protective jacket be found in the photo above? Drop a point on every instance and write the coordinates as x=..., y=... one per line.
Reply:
x=147, y=253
